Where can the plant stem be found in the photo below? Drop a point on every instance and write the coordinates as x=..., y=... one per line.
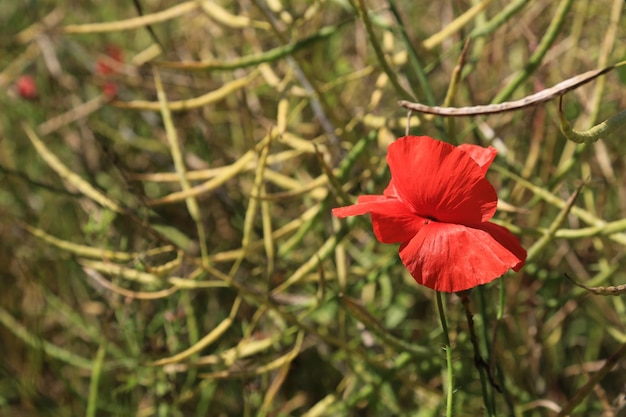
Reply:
x=359, y=6
x=547, y=40
x=480, y=364
x=586, y=389
x=448, y=348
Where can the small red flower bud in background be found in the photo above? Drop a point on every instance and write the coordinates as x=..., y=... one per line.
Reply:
x=109, y=89
x=105, y=68
x=103, y=65
x=27, y=87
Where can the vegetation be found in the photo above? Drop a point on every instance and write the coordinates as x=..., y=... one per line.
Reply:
x=168, y=171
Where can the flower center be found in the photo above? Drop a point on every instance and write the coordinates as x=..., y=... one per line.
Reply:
x=428, y=219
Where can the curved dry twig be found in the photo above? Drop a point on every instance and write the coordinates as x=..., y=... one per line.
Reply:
x=610, y=290
x=540, y=97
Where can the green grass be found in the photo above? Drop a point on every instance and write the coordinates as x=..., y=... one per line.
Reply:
x=172, y=252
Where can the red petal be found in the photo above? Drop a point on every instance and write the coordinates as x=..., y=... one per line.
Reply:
x=27, y=87
x=114, y=52
x=507, y=240
x=440, y=182
x=390, y=191
x=483, y=156
x=451, y=257
x=392, y=221
x=109, y=89
x=396, y=227
x=362, y=207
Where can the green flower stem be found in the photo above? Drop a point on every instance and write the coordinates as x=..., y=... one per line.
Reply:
x=499, y=318
x=481, y=365
x=448, y=348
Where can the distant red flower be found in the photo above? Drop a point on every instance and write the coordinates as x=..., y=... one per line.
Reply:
x=105, y=68
x=27, y=87
x=438, y=205
x=103, y=65
x=109, y=89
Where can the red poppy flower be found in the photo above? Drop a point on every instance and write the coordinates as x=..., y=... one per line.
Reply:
x=27, y=87
x=438, y=205
x=113, y=53
x=109, y=89
x=105, y=68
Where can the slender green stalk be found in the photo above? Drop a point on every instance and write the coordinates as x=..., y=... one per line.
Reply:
x=452, y=88
x=92, y=402
x=535, y=60
x=38, y=344
x=359, y=6
x=179, y=164
x=598, y=226
x=501, y=298
x=500, y=375
x=259, y=58
x=413, y=58
x=417, y=68
x=499, y=19
x=378, y=329
x=448, y=348
x=586, y=389
x=548, y=236
x=572, y=153
x=481, y=365
x=193, y=334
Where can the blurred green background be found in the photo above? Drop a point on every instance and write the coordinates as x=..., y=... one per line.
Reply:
x=166, y=179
